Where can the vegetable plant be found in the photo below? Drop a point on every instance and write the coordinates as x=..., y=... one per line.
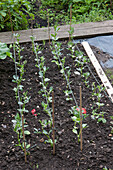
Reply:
x=68, y=91
x=81, y=62
x=75, y=112
x=17, y=125
x=20, y=94
x=65, y=70
x=46, y=125
x=97, y=95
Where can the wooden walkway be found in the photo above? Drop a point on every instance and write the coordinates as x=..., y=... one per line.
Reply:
x=80, y=31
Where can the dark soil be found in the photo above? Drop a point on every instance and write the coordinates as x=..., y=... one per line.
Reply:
x=97, y=143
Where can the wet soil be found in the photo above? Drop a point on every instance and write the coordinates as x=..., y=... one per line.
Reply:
x=97, y=150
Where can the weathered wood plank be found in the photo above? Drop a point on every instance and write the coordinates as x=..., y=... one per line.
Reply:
x=80, y=31
x=99, y=69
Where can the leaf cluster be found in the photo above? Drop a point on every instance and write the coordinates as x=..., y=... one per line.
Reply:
x=17, y=124
x=13, y=14
x=4, y=51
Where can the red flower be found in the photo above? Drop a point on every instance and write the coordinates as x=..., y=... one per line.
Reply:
x=33, y=112
x=83, y=110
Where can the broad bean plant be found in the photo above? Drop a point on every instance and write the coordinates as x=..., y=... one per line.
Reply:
x=81, y=62
x=20, y=93
x=65, y=70
x=46, y=93
x=75, y=115
x=97, y=95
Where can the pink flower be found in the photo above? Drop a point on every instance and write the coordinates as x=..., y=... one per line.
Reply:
x=83, y=110
x=33, y=112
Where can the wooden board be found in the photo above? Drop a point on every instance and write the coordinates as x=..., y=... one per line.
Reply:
x=80, y=31
x=99, y=69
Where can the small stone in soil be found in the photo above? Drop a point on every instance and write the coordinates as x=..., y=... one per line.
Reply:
x=60, y=132
x=60, y=139
x=110, y=134
x=101, y=166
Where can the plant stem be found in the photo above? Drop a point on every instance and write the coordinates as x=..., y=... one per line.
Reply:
x=24, y=138
x=53, y=123
x=68, y=83
x=11, y=22
x=14, y=52
x=38, y=62
x=80, y=118
x=48, y=26
x=70, y=21
x=32, y=31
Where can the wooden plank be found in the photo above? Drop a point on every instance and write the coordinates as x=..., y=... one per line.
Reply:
x=99, y=69
x=80, y=31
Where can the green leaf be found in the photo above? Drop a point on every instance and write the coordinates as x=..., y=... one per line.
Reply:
x=49, y=141
x=27, y=146
x=20, y=87
x=45, y=132
x=74, y=118
x=40, y=74
x=46, y=79
x=37, y=131
x=4, y=51
x=62, y=71
x=26, y=132
x=17, y=145
x=20, y=103
x=68, y=99
x=84, y=125
x=23, y=110
x=3, y=13
x=99, y=104
x=102, y=120
x=77, y=0
x=74, y=131
x=37, y=165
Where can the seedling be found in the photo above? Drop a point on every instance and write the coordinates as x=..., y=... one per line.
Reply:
x=60, y=62
x=46, y=125
x=22, y=98
x=76, y=118
x=17, y=124
x=97, y=95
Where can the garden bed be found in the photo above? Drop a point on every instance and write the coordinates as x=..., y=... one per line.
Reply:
x=97, y=137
